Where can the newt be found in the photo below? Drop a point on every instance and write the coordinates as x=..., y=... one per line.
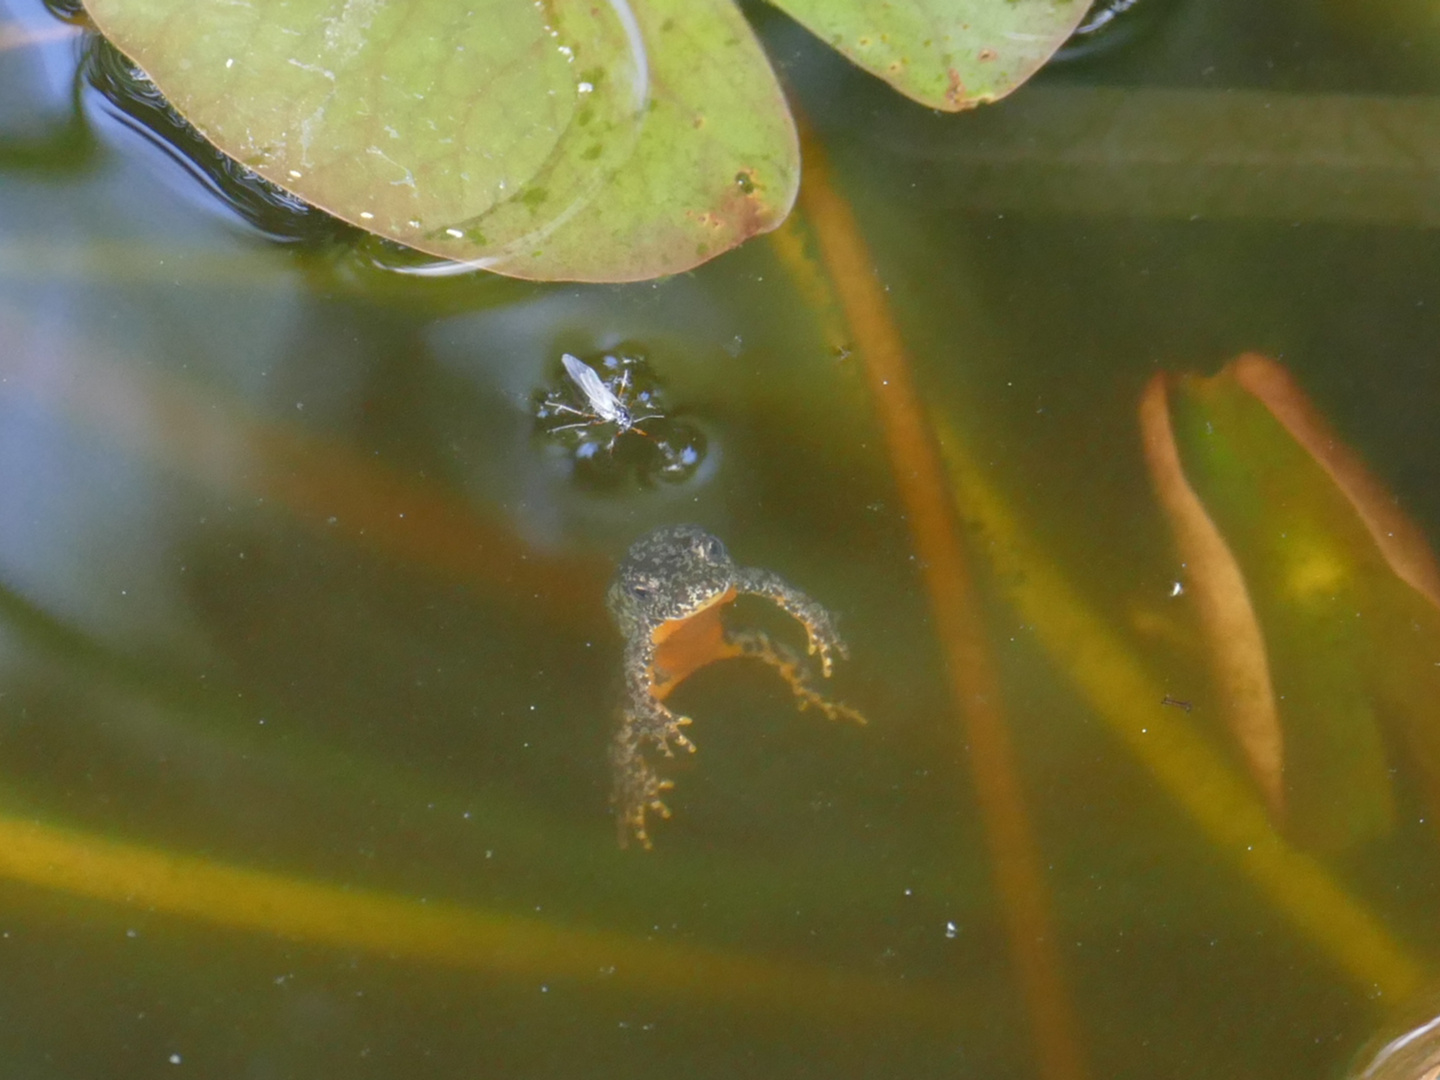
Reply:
x=668, y=600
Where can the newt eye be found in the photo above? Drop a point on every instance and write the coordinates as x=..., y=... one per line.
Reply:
x=639, y=588
x=712, y=549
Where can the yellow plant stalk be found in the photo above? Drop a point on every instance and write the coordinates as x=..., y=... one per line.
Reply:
x=450, y=935
x=1123, y=694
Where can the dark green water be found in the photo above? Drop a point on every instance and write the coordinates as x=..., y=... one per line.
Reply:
x=221, y=637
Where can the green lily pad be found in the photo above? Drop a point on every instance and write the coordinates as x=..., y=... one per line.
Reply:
x=557, y=140
x=717, y=160
x=947, y=54
x=560, y=140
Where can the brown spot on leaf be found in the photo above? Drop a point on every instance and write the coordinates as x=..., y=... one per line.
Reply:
x=737, y=214
x=987, y=54
x=955, y=92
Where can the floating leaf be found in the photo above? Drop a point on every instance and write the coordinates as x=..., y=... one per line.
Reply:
x=716, y=162
x=560, y=140
x=948, y=54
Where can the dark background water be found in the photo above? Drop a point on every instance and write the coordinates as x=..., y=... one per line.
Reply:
x=288, y=581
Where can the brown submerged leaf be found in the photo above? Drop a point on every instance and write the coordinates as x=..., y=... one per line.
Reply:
x=1317, y=595
x=1237, y=645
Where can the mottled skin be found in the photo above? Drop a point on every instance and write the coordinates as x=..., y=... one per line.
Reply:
x=666, y=599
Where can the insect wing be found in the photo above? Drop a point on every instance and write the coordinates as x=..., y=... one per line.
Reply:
x=606, y=405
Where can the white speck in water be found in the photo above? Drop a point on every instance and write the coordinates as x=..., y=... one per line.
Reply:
x=230, y=62
x=456, y=233
x=294, y=175
x=951, y=930
x=174, y=1059
x=585, y=87
x=367, y=215
x=1177, y=589
x=132, y=932
x=565, y=50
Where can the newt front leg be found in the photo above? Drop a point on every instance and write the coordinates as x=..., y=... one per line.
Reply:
x=646, y=715
x=758, y=645
x=824, y=639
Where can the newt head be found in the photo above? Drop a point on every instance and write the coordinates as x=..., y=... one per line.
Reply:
x=669, y=576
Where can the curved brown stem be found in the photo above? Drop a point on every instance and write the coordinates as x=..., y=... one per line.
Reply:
x=974, y=683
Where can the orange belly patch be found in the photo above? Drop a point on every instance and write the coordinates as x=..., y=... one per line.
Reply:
x=684, y=646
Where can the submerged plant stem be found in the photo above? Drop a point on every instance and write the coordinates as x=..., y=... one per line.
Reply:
x=404, y=929
x=974, y=684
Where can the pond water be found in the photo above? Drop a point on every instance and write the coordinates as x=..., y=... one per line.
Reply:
x=307, y=682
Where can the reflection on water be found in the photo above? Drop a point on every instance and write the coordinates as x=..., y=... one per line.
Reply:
x=290, y=587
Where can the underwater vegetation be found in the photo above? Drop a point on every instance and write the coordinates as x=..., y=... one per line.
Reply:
x=350, y=607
